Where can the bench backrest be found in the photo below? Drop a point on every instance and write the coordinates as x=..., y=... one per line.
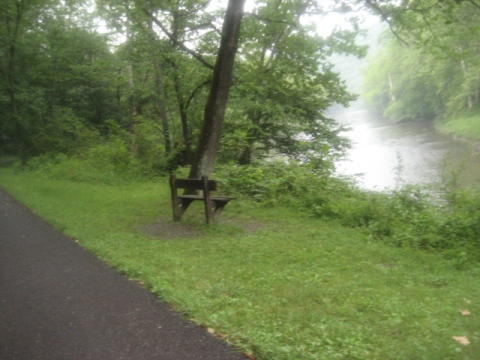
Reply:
x=192, y=184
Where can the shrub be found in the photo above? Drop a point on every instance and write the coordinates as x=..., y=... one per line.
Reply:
x=110, y=162
x=273, y=181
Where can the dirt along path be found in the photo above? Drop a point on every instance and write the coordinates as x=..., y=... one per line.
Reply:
x=57, y=301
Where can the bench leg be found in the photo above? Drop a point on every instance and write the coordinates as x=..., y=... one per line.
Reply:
x=209, y=215
x=180, y=209
x=217, y=211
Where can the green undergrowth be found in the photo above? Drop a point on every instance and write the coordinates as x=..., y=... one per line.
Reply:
x=276, y=280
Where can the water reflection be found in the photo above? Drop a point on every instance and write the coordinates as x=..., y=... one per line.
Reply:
x=381, y=149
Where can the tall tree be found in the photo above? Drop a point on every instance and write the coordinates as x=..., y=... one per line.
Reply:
x=284, y=85
x=217, y=100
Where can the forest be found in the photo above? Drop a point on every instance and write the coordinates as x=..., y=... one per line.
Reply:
x=127, y=83
x=132, y=78
x=428, y=66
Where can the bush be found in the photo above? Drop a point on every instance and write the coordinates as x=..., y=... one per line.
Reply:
x=110, y=163
x=273, y=181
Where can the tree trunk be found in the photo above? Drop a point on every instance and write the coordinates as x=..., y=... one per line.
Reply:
x=217, y=100
x=161, y=103
x=247, y=154
x=161, y=106
x=178, y=92
x=390, y=84
x=465, y=73
x=20, y=133
x=183, y=116
x=136, y=107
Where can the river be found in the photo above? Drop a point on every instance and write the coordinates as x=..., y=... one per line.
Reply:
x=383, y=152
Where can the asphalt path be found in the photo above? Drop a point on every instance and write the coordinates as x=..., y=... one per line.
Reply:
x=58, y=301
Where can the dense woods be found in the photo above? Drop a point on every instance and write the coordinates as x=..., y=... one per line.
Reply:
x=129, y=82
x=135, y=89
x=429, y=65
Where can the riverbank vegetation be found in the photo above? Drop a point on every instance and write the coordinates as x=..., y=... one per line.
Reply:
x=428, y=67
x=301, y=266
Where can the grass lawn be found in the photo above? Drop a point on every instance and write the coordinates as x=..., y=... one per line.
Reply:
x=273, y=282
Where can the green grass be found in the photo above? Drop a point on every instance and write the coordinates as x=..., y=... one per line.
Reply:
x=297, y=288
x=466, y=126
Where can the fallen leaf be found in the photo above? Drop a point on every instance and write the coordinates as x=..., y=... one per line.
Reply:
x=462, y=340
x=465, y=312
x=211, y=331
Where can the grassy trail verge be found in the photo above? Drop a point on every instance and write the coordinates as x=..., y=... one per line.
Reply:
x=288, y=287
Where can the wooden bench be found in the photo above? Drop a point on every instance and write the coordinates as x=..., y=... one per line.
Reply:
x=180, y=203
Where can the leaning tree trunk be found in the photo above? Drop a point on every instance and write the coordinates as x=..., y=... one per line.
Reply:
x=218, y=97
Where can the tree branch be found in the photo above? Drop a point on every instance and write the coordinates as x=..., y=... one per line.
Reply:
x=195, y=91
x=385, y=18
x=178, y=43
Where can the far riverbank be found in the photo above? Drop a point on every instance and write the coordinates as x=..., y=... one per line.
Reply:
x=465, y=126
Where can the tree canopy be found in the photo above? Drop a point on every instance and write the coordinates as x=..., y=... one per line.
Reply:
x=429, y=66
x=141, y=81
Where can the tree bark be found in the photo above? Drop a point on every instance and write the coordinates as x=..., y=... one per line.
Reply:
x=183, y=116
x=465, y=73
x=217, y=100
x=162, y=106
x=390, y=84
x=161, y=101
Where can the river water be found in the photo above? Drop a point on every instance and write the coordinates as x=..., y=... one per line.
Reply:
x=385, y=155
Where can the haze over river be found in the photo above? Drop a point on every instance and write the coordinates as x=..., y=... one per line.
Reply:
x=379, y=147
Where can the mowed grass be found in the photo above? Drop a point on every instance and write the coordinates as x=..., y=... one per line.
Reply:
x=296, y=288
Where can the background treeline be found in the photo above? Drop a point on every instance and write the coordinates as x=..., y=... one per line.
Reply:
x=134, y=97
x=429, y=66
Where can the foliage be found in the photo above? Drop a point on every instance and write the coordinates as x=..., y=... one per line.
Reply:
x=65, y=82
x=109, y=163
x=285, y=84
x=279, y=181
x=429, y=68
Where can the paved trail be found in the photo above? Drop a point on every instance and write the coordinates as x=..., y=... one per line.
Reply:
x=58, y=301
